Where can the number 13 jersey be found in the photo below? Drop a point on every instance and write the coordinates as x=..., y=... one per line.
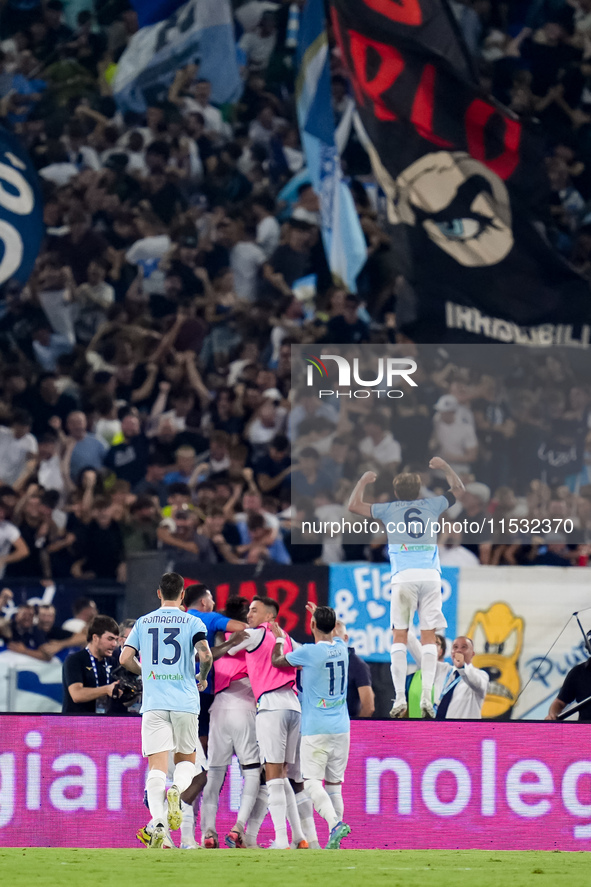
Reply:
x=165, y=640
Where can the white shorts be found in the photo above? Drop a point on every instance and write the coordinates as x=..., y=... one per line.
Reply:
x=294, y=771
x=232, y=732
x=423, y=596
x=277, y=735
x=325, y=756
x=176, y=731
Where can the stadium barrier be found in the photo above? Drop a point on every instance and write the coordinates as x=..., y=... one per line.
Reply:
x=480, y=785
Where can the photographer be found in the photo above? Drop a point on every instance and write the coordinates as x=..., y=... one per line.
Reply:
x=130, y=685
x=88, y=688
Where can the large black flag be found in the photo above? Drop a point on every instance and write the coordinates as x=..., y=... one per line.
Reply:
x=464, y=181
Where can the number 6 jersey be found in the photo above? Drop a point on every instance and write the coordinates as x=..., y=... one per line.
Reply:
x=412, y=532
x=165, y=640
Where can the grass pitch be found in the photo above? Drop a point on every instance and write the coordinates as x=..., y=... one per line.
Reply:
x=250, y=868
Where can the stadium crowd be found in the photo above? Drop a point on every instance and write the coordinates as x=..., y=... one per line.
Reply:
x=145, y=368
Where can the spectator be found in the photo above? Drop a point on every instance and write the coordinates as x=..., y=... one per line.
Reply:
x=272, y=472
x=35, y=529
x=84, y=611
x=140, y=531
x=308, y=479
x=129, y=459
x=101, y=550
x=22, y=636
x=13, y=547
x=154, y=484
x=83, y=450
x=260, y=542
x=56, y=638
x=379, y=446
x=17, y=447
x=179, y=534
x=453, y=435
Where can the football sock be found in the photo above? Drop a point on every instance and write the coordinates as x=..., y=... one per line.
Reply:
x=306, y=811
x=335, y=793
x=250, y=790
x=255, y=820
x=428, y=668
x=398, y=670
x=293, y=815
x=188, y=824
x=183, y=775
x=322, y=802
x=278, y=810
x=211, y=797
x=155, y=786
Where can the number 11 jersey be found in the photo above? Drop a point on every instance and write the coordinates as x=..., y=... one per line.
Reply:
x=325, y=672
x=165, y=640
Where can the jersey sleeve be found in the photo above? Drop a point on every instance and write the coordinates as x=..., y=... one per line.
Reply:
x=451, y=499
x=220, y=623
x=380, y=510
x=133, y=638
x=300, y=656
x=255, y=636
x=73, y=670
x=199, y=630
x=440, y=504
x=12, y=532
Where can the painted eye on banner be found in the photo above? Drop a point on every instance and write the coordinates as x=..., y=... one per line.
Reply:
x=460, y=229
x=462, y=206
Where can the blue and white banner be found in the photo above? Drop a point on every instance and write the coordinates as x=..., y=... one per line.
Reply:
x=28, y=684
x=21, y=211
x=360, y=595
x=199, y=32
x=343, y=238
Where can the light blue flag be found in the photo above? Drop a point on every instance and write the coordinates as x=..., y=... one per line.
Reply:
x=200, y=31
x=343, y=238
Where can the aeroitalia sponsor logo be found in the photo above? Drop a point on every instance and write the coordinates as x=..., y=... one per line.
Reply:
x=165, y=677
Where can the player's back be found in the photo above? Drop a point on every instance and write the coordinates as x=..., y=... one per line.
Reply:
x=324, y=677
x=412, y=531
x=165, y=639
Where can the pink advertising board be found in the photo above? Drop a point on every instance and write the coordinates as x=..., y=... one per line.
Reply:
x=79, y=781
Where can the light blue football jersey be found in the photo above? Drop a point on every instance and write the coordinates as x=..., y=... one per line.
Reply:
x=165, y=640
x=412, y=539
x=324, y=675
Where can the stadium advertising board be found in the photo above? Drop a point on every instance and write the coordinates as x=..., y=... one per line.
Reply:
x=360, y=595
x=421, y=785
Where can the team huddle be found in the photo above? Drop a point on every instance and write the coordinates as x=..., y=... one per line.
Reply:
x=292, y=742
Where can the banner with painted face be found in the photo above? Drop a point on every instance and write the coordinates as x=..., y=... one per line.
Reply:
x=21, y=211
x=464, y=183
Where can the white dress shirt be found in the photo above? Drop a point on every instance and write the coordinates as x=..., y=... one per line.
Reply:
x=468, y=695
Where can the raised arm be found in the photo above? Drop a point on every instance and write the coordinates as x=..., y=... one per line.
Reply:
x=455, y=484
x=356, y=503
x=277, y=657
